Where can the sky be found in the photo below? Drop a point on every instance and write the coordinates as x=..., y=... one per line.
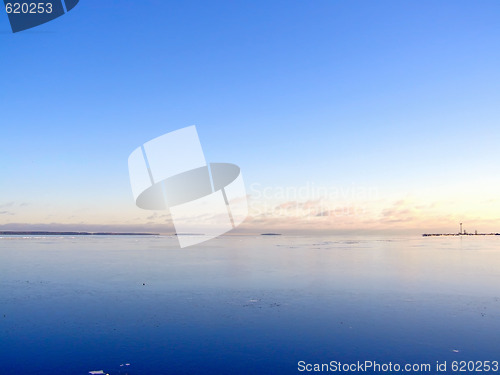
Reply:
x=344, y=116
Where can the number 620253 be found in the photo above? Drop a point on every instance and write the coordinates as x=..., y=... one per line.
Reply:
x=28, y=8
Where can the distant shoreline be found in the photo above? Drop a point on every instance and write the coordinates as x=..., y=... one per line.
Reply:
x=458, y=234
x=45, y=233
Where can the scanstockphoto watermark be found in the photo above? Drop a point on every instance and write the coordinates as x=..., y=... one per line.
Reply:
x=367, y=366
x=26, y=14
x=470, y=366
x=310, y=200
x=312, y=191
x=170, y=172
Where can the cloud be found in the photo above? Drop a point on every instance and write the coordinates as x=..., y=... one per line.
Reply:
x=6, y=209
x=400, y=215
x=403, y=215
x=153, y=216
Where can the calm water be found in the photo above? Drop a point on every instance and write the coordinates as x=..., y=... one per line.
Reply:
x=244, y=305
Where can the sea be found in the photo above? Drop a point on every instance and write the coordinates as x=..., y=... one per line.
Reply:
x=249, y=304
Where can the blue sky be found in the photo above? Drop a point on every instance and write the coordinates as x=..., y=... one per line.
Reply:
x=398, y=97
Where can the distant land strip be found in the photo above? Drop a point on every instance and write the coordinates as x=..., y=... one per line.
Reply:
x=44, y=233
x=459, y=234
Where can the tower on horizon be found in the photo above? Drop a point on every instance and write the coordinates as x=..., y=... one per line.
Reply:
x=460, y=228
